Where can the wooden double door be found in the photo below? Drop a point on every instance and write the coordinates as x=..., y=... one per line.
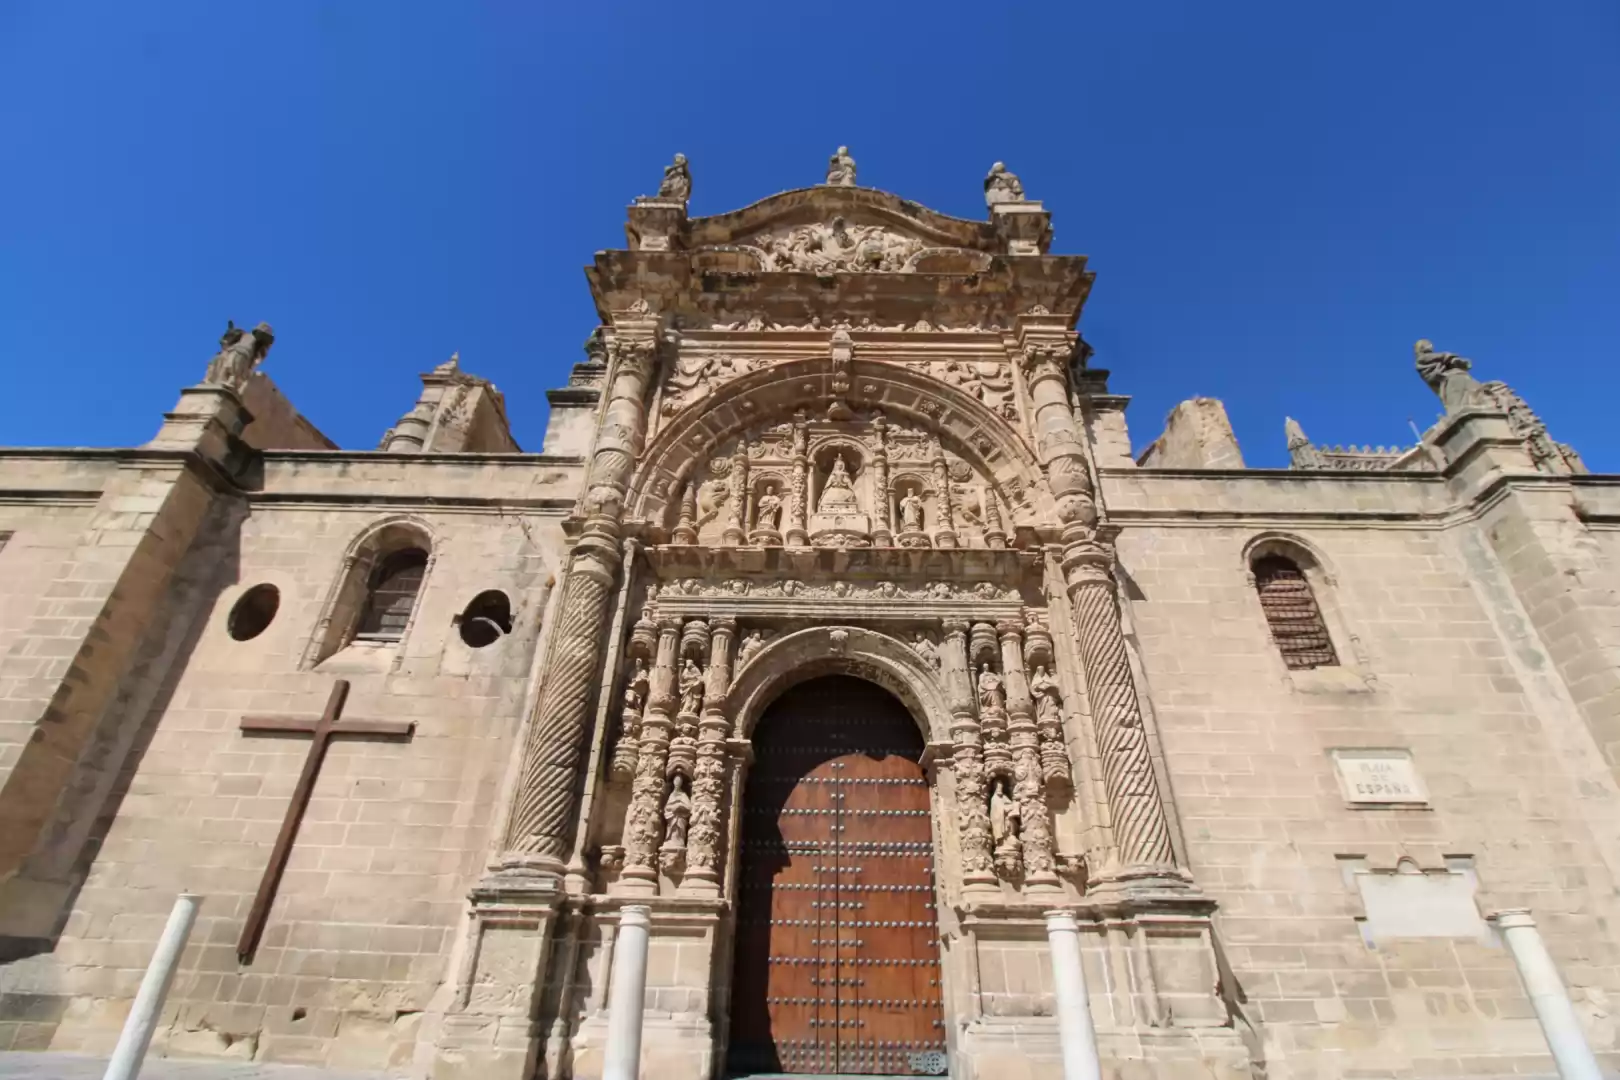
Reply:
x=837, y=944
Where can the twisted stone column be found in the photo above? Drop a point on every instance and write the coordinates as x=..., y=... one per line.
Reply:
x=967, y=760
x=1141, y=830
x=540, y=829
x=945, y=531
x=644, y=820
x=703, y=848
x=1028, y=786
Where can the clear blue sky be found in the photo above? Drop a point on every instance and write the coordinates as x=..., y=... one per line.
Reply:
x=1277, y=198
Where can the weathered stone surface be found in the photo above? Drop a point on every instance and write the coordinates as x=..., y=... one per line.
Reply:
x=831, y=432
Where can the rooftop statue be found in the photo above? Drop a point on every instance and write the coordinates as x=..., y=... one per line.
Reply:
x=677, y=182
x=841, y=169
x=1002, y=186
x=1447, y=375
x=240, y=351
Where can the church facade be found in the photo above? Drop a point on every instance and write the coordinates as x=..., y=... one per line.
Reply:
x=836, y=641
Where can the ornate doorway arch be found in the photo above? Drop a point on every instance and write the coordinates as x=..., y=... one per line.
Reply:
x=837, y=967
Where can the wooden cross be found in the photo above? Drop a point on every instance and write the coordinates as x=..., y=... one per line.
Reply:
x=322, y=731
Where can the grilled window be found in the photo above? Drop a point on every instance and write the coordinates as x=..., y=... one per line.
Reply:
x=1290, y=607
x=394, y=585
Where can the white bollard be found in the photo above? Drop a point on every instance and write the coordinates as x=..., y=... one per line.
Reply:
x=130, y=1052
x=627, y=995
x=1078, y=1035
x=1547, y=995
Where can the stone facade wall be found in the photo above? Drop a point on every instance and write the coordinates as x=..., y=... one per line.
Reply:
x=359, y=942
x=1429, y=664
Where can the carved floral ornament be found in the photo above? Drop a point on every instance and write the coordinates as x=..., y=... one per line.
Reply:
x=839, y=246
x=984, y=592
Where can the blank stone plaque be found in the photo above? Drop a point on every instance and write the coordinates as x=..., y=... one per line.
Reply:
x=1379, y=778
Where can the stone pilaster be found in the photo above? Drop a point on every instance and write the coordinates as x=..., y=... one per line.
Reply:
x=644, y=820
x=797, y=536
x=703, y=848
x=1028, y=787
x=883, y=520
x=540, y=828
x=967, y=761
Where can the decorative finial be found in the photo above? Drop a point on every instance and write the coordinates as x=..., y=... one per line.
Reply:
x=841, y=169
x=450, y=366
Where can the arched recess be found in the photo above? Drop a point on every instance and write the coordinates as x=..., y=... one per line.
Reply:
x=839, y=650
x=346, y=598
x=772, y=395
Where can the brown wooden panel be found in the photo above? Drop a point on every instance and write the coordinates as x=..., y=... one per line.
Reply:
x=837, y=943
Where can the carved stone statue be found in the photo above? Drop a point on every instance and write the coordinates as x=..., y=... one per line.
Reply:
x=691, y=688
x=769, y=512
x=751, y=644
x=927, y=650
x=1002, y=186
x=677, y=814
x=240, y=351
x=841, y=169
x=677, y=182
x=911, y=512
x=1048, y=699
x=991, y=697
x=1447, y=375
x=838, y=496
x=1006, y=822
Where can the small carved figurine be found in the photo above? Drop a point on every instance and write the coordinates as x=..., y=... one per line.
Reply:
x=751, y=644
x=1447, y=375
x=677, y=814
x=1004, y=815
x=769, y=514
x=991, y=698
x=911, y=512
x=1048, y=701
x=677, y=181
x=927, y=650
x=1002, y=186
x=841, y=169
x=691, y=688
x=240, y=351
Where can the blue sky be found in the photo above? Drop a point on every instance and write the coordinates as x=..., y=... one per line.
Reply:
x=1277, y=198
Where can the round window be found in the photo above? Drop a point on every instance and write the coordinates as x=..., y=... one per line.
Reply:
x=487, y=619
x=254, y=612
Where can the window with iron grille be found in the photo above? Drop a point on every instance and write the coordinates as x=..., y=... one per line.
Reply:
x=1291, y=610
x=394, y=585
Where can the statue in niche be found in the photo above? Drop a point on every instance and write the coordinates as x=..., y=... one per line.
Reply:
x=841, y=169
x=991, y=698
x=691, y=688
x=769, y=512
x=927, y=650
x=838, y=496
x=677, y=181
x=677, y=814
x=1006, y=819
x=911, y=511
x=751, y=644
x=1447, y=375
x=240, y=351
x=1002, y=186
x=1048, y=700
x=635, y=694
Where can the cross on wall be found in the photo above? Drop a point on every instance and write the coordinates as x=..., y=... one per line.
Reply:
x=321, y=732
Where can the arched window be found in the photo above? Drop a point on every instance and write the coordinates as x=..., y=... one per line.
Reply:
x=1292, y=612
x=391, y=595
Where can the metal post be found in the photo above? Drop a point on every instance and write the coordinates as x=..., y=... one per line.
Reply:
x=626, y=994
x=1075, y=1029
x=143, y=1014
x=1547, y=995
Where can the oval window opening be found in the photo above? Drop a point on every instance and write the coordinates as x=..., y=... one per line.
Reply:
x=487, y=619
x=254, y=612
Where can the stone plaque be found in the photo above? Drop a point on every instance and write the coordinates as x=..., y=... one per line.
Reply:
x=1379, y=778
